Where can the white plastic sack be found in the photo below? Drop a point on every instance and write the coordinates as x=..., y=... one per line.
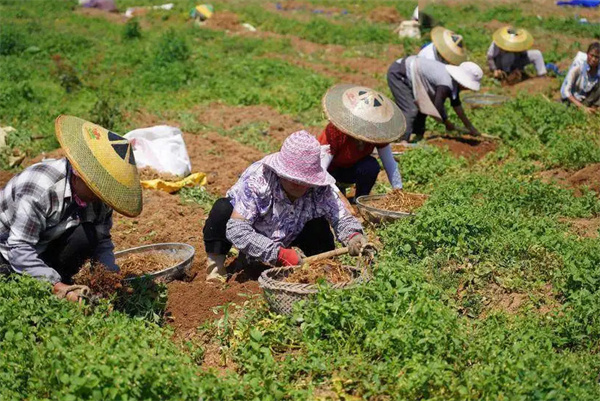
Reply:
x=161, y=148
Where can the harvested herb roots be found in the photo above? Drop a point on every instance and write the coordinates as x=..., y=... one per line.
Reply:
x=399, y=201
x=148, y=173
x=397, y=148
x=329, y=270
x=138, y=264
x=104, y=282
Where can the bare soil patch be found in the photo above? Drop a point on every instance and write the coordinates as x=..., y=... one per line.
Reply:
x=228, y=117
x=224, y=20
x=387, y=15
x=113, y=17
x=588, y=176
x=587, y=228
x=5, y=176
x=469, y=148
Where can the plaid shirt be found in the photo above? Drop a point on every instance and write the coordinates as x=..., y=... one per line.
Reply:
x=273, y=221
x=36, y=208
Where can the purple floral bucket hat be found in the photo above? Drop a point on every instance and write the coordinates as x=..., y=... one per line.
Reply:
x=299, y=160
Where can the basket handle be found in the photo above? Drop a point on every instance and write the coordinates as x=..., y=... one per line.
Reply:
x=326, y=255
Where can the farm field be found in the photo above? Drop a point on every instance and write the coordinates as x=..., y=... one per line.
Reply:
x=492, y=291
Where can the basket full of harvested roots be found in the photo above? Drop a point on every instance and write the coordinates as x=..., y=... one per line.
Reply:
x=163, y=262
x=284, y=286
x=396, y=204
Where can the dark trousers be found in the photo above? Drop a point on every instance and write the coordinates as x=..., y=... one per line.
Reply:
x=67, y=253
x=363, y=173
x=593, y=98
x=316, y=236
x=404, y=99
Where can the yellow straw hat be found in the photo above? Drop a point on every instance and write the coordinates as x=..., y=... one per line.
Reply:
x=449, y=45
x=364, y=113
x=105, y=162
x=513, y=39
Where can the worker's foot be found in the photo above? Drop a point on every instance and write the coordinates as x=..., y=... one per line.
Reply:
x=215, y=268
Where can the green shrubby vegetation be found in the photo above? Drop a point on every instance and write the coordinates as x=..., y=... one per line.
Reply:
x=431, y=325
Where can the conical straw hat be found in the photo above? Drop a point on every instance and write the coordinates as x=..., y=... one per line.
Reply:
x=105, y=162
x=449, y=45
x=513, y=39
x=363, y=113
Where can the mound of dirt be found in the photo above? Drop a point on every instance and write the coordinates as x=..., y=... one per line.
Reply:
x=587, y=228
x=473, y=149
x=588, y=176
x=388, y=15
x=224, y=20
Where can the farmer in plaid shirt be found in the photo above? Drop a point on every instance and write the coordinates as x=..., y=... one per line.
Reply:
x=56, y=214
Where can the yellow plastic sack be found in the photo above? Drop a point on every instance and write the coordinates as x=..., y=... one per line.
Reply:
x=174, y=186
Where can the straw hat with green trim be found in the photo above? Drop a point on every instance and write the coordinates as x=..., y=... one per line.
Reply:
x=449, y=45
x=513, y=39
x=363, y=113
x=105, y=162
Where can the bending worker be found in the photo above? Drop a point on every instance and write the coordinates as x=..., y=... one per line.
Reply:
x=510, y=53
x=283, y=201
x=421, y=87
x=446, y=47
x=56, y=214
x=581, y=86
x=360, y=120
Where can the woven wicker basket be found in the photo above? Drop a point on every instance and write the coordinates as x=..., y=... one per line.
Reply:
x=281, y=296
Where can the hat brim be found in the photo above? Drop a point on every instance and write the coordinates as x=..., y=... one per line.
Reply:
x=454, y=55
x=323, y=178
x=459, y=76
x=371, y=132
x=509, y=46
x=125, y=199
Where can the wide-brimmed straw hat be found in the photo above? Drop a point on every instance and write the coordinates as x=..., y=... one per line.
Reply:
x=105, y=162
x=468, y=74
x=299, y=160
x=449, y=45
x=513, y=39
x=364, y=113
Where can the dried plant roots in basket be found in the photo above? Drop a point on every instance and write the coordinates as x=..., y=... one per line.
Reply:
x=138, y=264
x=399, y=201
x=329, y=270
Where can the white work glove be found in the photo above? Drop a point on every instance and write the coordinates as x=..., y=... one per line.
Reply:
x=356, y=244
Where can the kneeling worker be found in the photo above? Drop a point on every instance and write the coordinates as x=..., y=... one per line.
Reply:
x=285, y=200
x=56, y=214
x=510, y=53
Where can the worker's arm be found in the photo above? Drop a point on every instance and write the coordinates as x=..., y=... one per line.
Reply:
x=460, y=112
x=248, y=241
x=26, y=226
x=391, y=166
x=105, y=249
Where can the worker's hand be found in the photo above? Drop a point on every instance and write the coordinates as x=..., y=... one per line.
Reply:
x=356, y=244
x=499, y=74
x=449, y=126
x=288, y=257
x=72, y=293
x=473, y=131
x=588, y=110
